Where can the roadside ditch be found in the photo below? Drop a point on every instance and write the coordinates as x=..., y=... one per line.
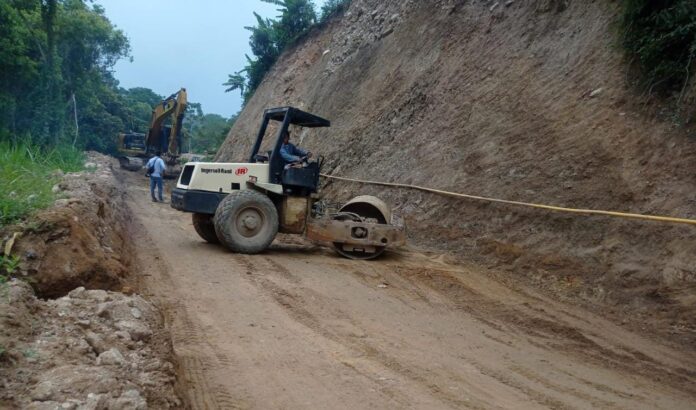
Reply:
x=74, y=333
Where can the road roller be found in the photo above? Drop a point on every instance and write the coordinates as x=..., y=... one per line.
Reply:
x=242, y=206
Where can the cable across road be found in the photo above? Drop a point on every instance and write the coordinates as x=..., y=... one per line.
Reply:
x=627, y=215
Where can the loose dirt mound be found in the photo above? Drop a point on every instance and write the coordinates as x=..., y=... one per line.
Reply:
x=91, y=349
x=524, y=102
x=81, y=240
x=87, y=349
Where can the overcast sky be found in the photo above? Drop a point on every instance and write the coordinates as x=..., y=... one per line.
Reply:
x=183, y=43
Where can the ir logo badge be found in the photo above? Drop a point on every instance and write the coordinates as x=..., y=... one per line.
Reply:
x=241, y=171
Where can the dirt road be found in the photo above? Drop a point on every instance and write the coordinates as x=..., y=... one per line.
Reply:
x=299, y=327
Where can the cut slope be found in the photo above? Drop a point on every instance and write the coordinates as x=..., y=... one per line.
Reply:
x=525, y=102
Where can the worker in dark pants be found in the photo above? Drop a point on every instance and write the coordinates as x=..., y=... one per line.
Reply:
x=155, y=169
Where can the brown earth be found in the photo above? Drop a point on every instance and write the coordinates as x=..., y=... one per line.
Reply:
x=81, y=241
x=90, y=349
x=73, y=348
x=452, y=94
x=301, y=327
x=525, y=102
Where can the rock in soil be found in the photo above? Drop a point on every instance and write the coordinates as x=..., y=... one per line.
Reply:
x=62, y=354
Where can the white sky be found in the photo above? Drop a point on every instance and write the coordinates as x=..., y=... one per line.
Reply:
x=183, y=43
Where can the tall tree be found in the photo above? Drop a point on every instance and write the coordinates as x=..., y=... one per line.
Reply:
x=51, y=73
x=209, y=132
x=19, y=67
x=56, y=58
x=295, y=20
x=139, y=102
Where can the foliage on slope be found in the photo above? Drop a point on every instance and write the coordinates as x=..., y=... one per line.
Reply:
x=661, y=36
x=269, y=38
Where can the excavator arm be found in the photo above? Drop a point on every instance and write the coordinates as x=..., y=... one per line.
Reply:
x=174, y=106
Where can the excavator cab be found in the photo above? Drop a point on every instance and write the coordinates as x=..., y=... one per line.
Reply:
x=133, y=141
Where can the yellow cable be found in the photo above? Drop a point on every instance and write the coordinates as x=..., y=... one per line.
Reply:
x=527, y=204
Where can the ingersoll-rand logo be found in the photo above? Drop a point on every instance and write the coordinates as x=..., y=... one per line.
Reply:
x=241, y=171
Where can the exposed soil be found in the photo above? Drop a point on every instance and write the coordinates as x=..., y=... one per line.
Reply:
x=82, y=239
x=91, y=349
x=80, y=348
x=526, y=309
x=301, y=327
x=524, y=101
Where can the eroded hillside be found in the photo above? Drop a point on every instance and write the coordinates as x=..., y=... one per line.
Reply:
x=525, y=101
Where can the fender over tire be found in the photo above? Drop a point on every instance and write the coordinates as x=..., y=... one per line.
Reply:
x=246, y=221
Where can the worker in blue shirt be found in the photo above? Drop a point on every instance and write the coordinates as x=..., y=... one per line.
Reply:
x=155, y=170
x=291, y=153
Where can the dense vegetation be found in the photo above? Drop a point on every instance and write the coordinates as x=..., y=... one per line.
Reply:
x=55, y=84
x=204, y=133
x=58, y=96
x=661, y=37
x=332, y=8
x=56, y=81
x=269, y=37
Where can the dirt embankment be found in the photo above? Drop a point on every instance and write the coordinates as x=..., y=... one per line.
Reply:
x=525, y=101
x=93, y=348
x=82, y=239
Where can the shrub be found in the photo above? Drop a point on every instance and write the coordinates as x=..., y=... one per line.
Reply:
x=332, y=8
x=661, y=36
x=268, y=40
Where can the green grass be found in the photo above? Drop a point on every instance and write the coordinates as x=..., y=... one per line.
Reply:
x=27, y=176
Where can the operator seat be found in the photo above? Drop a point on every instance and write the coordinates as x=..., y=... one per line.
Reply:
x=303, y=180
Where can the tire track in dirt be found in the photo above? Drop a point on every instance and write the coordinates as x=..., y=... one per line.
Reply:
x=547, y=331
x=602, y=387
x=552, y=331
x=410, y=288
x=200, y=358
x=594, y=401
x=556, y=333
x=297, y=327
x=538, y=397
x=192, y=365
x=296, y=306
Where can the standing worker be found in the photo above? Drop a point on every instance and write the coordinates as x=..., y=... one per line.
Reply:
x=155, y=170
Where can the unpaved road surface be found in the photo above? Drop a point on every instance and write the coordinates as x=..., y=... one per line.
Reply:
x=300, y=327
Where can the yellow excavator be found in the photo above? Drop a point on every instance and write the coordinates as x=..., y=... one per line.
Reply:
x=136, y=148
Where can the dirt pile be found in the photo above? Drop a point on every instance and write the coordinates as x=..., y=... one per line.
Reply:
x=516, y=100
x=90, y=349
x=81, y=240
x=81, y=349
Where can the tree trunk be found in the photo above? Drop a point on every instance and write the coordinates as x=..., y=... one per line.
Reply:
x=49, y=9
x=77, y=126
